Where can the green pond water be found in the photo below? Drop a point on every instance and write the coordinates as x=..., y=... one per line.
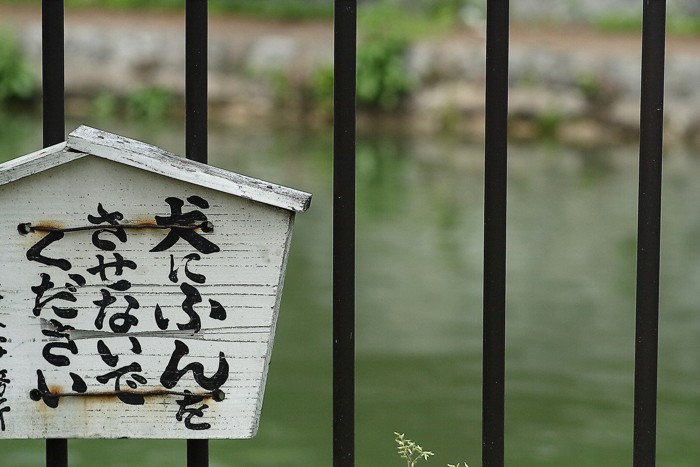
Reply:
x=571, y=281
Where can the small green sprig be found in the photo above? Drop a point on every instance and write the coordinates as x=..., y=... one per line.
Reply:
x=410, y=451
x=413, y=452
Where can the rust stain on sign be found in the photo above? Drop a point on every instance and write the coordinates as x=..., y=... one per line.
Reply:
x=49, y=224
x=144, y=220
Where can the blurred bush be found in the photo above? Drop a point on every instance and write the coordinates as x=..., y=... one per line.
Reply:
x=382, y=79
x=16, y=80
x=151, y=103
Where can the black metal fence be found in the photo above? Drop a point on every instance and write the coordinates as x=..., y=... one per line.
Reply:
x=196, y=34
x=497, y=44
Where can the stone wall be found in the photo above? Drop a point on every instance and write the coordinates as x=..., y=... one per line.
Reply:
x=589, y=10
x=573, y=82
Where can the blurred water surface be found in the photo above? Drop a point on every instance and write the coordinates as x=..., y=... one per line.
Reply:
x=571, y=266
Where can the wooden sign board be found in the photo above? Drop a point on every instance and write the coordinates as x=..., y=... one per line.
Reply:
x=139, y=292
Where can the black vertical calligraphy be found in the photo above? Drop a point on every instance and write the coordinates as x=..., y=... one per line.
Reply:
x=3, y=340
x=132, y=370
x=58, y=332
x=187, y=413
x=184, y=228
x=193, y=276
x=172, y=374
x=119, y=323
x=63, y=295
x=35, y=252
x=118, y=264
x=4, y=380
x=178, y=218
x=111, y=218
x=43, y=391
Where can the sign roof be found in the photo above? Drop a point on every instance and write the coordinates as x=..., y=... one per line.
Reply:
x=90, y=141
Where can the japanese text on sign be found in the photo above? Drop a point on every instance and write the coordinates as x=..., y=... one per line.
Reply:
x=118, y=313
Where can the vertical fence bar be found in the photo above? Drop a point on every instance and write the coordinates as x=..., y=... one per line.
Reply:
x=345, y=49
x=196, y=64
x=495, y=197
x=649, y=232
x=197, y=453
x=53, y=81
x=196, y=37
x=52, y=71
x=56, y=453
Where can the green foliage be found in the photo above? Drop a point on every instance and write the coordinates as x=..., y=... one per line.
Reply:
x=684, y=26
x=382, y=82
x=386, y=30
x=426, y=7
x=104, y=106
x=283, y=9
x=153, y=103
x=389, y=20
x=150, y=104
x=548, y=124
x=590, y=86
x=622, y=23
x=382, y=79
x=618, y=23
x=322, y=83
x=412, y=453
x=16, y=80
x=281, y=86
x=125, y=4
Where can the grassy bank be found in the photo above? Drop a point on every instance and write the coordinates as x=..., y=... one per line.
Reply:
x=279, y=9
x=288, y=9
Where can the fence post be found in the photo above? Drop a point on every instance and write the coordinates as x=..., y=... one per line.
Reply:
x=196, y=37
x=52, y=71
x=495, y=198
x=53, y=83
x=345, y=49
x=649, y=232
x=196, y=131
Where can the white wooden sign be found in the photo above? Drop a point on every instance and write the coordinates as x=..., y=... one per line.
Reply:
x=139, y=292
